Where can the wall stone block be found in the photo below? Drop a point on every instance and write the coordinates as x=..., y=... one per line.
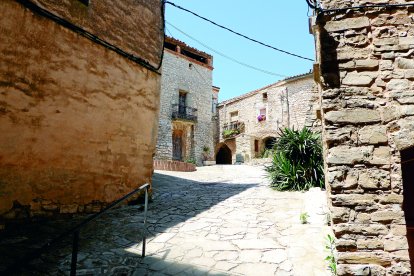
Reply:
x=346, y=24
x=349, y=155
x=373, y=257
x=373, y=135
x=398, y=84
x=395, y=243
x=353, y=116
x=370, y=244
x=387, y=216
x=374, y=179
x=363, y=229
x=353, y=199
x=360, y=270
x=357, y=79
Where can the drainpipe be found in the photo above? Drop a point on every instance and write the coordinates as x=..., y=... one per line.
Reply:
x=288, y=111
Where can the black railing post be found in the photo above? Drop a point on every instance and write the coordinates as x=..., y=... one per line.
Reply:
x=20, y=263
x=144, y=238
x=75, y=246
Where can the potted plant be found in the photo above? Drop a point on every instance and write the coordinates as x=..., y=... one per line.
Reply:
x=207, y=159
x=261, y=118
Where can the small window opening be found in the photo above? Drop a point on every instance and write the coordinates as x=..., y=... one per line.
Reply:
x=85, y=2
x=264, y=96
x=170, y=46
x=234, y=116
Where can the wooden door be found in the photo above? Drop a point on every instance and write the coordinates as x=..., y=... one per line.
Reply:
x=177, y=146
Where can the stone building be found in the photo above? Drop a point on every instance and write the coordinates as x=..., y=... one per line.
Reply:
x=79, y=94
x=250, y=123
x=186, y=104
x=365, y=71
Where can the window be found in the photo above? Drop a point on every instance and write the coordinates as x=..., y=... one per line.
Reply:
x=264, y=96
x=234, y=116
x=214, y=101
x=262, y=115
x=85, y=2
x=182, y=102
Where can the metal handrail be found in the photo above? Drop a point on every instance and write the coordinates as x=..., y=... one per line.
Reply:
x=184, y=112
x=76, y=231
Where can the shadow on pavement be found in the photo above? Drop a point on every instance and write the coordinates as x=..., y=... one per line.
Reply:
x=103, y=244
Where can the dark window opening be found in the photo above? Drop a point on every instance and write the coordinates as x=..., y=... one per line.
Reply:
x=194, y=56
x=182, y=102
x=85, y=2
x=264, y=96
x=170, y=46
x=407, y=166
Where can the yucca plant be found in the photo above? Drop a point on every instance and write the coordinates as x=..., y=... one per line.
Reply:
x=297, y=162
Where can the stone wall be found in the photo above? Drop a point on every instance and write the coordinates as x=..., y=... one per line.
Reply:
x=179, y=73
x=78, y=120
x=301, y=111
x=127, y=24
x=176, y=166
x=366, y=74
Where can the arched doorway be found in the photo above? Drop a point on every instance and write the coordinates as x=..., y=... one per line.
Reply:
x=269, y=142
x=223, y=156
x=407, y=167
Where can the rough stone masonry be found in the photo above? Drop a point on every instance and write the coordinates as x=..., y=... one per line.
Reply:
x=366, y=78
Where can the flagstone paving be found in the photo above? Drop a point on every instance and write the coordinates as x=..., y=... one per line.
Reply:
x=220, y=220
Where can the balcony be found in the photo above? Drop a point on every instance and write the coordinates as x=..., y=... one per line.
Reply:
x=230, y=130
x=183, y=112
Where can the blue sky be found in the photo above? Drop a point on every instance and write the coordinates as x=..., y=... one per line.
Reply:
x=282, y=24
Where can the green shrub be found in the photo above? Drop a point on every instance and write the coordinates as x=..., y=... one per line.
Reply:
x=230, y=132
x=304, y=218
x=297, y=162
x=266, y=153
x=330, y=259
x=190, y=160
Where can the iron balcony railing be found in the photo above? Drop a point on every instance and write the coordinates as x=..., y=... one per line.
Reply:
x=75, y=231
x=232, y=129
x=183, y=112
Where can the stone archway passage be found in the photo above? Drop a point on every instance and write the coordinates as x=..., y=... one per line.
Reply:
x=223, y=156
x=269, y=142
x=407, y=166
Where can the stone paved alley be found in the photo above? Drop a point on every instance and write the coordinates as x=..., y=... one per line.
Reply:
x=220, y=220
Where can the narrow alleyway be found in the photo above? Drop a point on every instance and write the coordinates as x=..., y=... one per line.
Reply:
x=221, y=220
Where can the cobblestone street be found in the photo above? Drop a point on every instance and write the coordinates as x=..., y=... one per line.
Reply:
x=220, y=220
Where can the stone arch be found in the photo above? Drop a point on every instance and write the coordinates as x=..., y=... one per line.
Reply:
x=224, y=155
x=268, y=142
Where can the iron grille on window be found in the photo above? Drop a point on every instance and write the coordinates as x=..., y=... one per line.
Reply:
x=183, y=112
x=232, y=129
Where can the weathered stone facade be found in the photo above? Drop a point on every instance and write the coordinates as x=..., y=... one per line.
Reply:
x=186, y=75
x=366, y=81
x=286, y=103
x=78, y=119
